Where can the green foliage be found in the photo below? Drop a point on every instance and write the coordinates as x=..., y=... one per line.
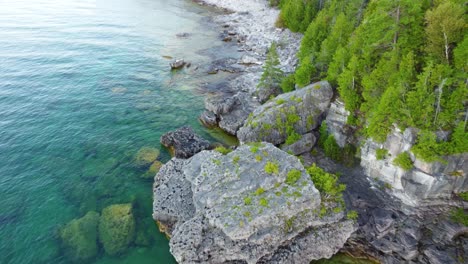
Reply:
x=223, y=150
x=459, y=216
x=235, y=159
x=352, y=215
x=247, y=200
x=293, y=176
x=381, y=153
x=326, y=183
x=259, y=191
x=304, y=73
x=323, y=131
x=292, y=13
x=280, y=101
x=398, y=63
x=445, y=27
x=263, y=202
x=271, y=167
x=272, y=75
x=464, y=196
x=403, y=160
x=331, y=148
x=292, y=138
x=427, y=147
x=288, y=83
x=258, y=158
x=254, y=146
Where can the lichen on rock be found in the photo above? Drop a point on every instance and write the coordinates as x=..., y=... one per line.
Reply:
x=289, y=115
x=236, y=207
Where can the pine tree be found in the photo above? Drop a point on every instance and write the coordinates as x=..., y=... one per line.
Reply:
x=445, y=27
x=292, y=14
x=348, y=88
x=272, y=74
x=304, y=73
x=420, y=100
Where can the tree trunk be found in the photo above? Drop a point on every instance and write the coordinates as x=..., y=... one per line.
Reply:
x=446, y=48
x=395, y=37
x=440, y=89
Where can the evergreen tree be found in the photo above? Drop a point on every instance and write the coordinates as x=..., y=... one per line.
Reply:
x=338, y=64
x=292, y=14
x=272, y=74
x=445, y=27
x=304, y=73
x=348, y=88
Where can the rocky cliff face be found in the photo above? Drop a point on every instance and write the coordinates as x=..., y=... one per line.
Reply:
x=422, y=183
x=256, y=204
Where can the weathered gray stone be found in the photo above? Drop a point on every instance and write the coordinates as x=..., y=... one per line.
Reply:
x=184, y=142
x=208, y=118
x=425, y=181
x=177, y=64
x=303, y=145
x=231, y=110
x=301, y=110
x=336, y=121
x=241, y=212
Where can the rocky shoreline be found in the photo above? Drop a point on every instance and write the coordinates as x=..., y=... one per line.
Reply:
x=404, y=217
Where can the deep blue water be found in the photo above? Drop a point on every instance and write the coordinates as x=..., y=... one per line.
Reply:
x=83, y=86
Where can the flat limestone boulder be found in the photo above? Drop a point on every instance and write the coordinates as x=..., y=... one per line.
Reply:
x=297, y=112
x=256, y=204
x=184, y=143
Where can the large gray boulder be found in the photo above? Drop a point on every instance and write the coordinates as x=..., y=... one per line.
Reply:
x=228, y=111
x=299, y=112
x=244, y=208
x=183, y=142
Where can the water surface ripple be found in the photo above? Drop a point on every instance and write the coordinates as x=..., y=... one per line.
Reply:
x=84, y=86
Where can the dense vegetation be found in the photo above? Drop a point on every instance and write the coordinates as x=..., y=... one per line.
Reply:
x=394, y=62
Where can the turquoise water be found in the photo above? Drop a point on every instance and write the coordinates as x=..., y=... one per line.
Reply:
x=83, y=86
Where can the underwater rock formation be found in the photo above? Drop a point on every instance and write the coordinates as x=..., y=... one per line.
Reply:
x=79, y=237
x=116, y=228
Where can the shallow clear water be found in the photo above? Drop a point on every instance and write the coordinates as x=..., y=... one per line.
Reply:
x=83, y=86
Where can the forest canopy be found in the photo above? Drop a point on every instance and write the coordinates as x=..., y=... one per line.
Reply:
x=393, y=62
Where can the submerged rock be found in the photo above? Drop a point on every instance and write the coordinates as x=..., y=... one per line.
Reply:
x=245, y=207
x=153, y=169
x=116, y=228
x=299, y=112
x=79, y=237
x=146, y=156
x=184, y=143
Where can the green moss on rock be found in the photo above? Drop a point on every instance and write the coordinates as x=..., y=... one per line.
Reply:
x=146, y=156
x=79, y=238
x=116, y=228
